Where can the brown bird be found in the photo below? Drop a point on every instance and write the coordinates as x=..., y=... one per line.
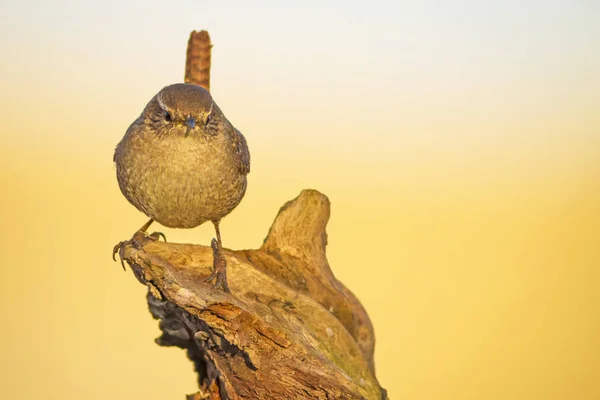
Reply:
x=182, y=163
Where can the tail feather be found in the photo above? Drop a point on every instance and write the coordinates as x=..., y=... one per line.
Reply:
x=197, y=66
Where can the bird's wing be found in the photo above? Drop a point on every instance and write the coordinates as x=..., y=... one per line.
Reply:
x=242, y=152
x=134, y=125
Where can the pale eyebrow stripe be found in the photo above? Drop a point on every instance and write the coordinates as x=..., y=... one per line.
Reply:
x=160, y=102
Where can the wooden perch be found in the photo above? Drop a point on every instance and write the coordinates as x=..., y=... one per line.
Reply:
x=288, y=329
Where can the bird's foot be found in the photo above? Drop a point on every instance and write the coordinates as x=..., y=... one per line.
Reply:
x=138, y=240
x=219, y=274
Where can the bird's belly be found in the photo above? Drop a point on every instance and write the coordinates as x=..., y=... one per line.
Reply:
x=182, y=190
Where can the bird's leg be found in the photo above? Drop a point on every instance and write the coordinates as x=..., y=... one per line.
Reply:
x=137, y=241
x=219, y=274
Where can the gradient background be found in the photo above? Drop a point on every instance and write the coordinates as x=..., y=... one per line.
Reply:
x=462, y=138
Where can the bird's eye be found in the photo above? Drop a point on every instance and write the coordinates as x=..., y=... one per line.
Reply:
x=167, y=116
x=208, y=120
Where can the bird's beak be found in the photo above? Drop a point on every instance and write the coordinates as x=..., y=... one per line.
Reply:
x=191, y=124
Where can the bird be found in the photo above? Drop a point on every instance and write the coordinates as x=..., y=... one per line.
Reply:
x=182, y=163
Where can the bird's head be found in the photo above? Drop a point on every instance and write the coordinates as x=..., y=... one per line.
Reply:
x=185, y=109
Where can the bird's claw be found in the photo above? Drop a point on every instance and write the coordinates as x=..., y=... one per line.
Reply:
x=155, y=236
x=120, y=249
x=138, y=241
x=219, y=274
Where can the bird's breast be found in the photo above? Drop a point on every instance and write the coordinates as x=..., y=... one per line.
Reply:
x=180, y=182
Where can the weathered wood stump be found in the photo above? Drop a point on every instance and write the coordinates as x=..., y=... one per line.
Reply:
x=288, y=329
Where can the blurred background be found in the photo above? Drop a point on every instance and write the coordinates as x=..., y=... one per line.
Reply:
x=462, y=137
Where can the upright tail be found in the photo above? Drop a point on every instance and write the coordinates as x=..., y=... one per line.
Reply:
x=197, y=65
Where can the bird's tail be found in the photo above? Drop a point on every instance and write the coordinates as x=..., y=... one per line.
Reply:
x=197, y=65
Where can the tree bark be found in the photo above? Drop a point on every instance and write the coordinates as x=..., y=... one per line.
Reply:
x=288, y=329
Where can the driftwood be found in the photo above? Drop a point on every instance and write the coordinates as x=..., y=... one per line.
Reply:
x=288, y=329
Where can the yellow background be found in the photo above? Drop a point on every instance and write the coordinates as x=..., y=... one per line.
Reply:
x=459, y=140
